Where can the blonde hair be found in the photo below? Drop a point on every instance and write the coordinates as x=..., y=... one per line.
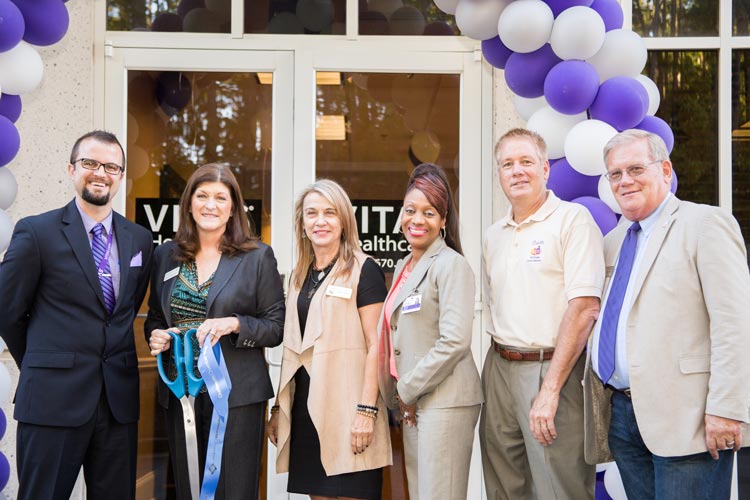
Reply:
x=349, y=244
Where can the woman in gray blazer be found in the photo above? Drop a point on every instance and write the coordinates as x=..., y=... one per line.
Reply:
x=216, y=277
x=426, y=366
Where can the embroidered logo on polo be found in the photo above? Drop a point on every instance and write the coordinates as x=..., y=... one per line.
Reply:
x=535, y=254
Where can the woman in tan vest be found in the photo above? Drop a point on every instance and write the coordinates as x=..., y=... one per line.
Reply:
x=329, y=424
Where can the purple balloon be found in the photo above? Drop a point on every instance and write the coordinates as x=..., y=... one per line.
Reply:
x=46, y=20
x=4, y=471
x=673, y=186
x=571, y=87
x=525, y=73
x=3, y=424
x=439, y=28
x=657, y=126
x=167, y=22
x=569, y=184
x=604, y=217
x=373, y=22
x=558, y=6
x=173, y=91
x=11, y=25
x=496, y=52
x=186, y=6
x=611, y=13
x=10, y=141
x=622, y=102
x=10, y=106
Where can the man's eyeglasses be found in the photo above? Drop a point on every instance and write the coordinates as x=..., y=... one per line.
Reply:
x=110, y=168
x=633, y=171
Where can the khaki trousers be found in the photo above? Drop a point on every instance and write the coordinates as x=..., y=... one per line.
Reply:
x=437, y=452
x=515, y=465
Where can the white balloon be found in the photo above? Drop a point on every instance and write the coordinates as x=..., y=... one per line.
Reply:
x=5, y=384
x=525, y=106
x=553, y=127
x=623, y=53
x=447, y=6
x=285, y=23
x=133, y=129
x=525, y=25
x=603, y=467
x=585, y=144
x=138, y=162
x=201, y=20
x=613, y=483
x=6, y=230
x=8, y=188
x=222, y=8
x=407, y=20
x=478, y=19
x=654, y=99
x=578, y=33
x=316, y=15
x=386, y=7
x=608, y=197
x=21, y=69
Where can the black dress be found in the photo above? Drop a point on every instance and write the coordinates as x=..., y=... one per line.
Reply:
x=306, y=473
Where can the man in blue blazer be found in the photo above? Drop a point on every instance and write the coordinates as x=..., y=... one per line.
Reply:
x=70, y=286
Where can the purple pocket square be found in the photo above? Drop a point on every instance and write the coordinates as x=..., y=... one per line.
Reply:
x=137, y=260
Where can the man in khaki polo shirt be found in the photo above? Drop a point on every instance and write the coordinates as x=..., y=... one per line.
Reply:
x=543, y=273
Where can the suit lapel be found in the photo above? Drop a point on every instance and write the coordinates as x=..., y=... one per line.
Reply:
x=225, y=270
x=125, y=250
x=168, y=286
x=78, y=240
x=419, y=272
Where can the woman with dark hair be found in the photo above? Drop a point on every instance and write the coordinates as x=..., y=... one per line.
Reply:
x=329, y=425
x=426, y=366
x=216, y=277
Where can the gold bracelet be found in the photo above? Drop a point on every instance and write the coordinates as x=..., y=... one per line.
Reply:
x=274, y=409
x=369, y=414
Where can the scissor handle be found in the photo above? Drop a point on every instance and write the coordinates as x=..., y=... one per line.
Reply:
x=177, y=386
x=194, y=383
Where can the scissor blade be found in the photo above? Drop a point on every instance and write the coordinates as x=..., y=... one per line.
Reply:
x=191, y=445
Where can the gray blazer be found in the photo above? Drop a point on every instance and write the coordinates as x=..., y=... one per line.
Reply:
x=432, y=345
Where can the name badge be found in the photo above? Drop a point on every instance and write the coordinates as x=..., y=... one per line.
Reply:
x=171, y=274
x=339, y=291
x=412, y=304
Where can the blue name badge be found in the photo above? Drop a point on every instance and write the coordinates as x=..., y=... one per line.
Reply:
x=412, y=304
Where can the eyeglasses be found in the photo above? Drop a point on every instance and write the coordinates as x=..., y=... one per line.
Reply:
x=633, y=171
x=110, y=168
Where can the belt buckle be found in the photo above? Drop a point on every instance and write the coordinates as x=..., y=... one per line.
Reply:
x=514, y=355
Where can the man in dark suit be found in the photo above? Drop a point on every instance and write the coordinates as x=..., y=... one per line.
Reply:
x=70, y=286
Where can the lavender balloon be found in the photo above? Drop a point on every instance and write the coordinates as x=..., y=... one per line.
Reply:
x=558, y=6
x=657, y=126
x=4, y=471
x=525, y=73
x=10, y=106
x=622, y=102
x=611, y=13
x=11, y=25
x=673, y=186
x=571, y=87
x=496, y=52
x=568, y=184
x=10, y=141
x=46, y=20
x=604, y=217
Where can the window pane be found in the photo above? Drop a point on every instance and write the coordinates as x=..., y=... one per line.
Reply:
x=687, y=81
x=213, y=16
x=741, y=139
x=410, y=17
x=372, y=130
x=296, y=17
x=654, y=18
x=741, y=15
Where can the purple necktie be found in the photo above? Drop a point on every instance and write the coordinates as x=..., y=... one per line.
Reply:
x=99, y=249
x=608, y=332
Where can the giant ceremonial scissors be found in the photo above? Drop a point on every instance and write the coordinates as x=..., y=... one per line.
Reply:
x=185, y=387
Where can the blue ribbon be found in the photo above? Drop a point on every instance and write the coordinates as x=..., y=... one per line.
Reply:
x=214, y=372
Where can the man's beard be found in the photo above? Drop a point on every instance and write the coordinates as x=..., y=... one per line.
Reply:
x=90, y=197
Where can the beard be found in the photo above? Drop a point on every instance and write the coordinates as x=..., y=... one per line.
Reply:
x=90, y=197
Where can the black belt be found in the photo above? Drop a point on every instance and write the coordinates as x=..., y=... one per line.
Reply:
x=624, y=392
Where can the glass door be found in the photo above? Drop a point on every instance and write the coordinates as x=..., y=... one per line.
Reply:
x=175, y=110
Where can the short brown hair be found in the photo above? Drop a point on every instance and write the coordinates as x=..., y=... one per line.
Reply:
x=238, y=237
x=514, y=133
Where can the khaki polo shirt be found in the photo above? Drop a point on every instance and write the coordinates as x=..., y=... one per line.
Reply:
x=532, y=269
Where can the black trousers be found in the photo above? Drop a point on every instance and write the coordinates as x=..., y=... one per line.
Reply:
x=49, y=458
x=241, y=456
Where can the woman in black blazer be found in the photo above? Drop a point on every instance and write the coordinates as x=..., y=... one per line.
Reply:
x=216, y=277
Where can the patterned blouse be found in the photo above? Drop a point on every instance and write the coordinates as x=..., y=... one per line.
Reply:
x=188, y=306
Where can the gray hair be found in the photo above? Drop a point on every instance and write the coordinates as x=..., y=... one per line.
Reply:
x=656, y=147
x=534, y=137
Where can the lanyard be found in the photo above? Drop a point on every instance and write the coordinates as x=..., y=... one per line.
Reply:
x=104, y=262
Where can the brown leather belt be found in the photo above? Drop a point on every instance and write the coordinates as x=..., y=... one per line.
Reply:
x=624, y=392
x=516, y=355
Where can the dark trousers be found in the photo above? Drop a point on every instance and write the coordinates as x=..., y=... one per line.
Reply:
x=241, y=456
x=50, y=458
x=647, y=476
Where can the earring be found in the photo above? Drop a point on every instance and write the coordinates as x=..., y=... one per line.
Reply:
x=442, y=232
x=304, y=235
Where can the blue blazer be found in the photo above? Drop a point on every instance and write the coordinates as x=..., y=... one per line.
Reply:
x=53, y=319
